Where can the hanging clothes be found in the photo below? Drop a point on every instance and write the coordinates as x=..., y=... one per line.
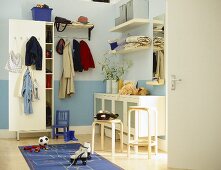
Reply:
x=27, y=92
x=35, y=94
x=76, y=56
x=14, y=63
x=160, y=73
x=66, y=88
x=87, y=60
x=33, y=54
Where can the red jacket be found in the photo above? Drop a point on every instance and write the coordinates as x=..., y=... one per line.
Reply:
x=87, y=60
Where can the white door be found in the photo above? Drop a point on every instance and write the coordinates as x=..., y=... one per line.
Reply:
x=193, y=35
x=19, y=33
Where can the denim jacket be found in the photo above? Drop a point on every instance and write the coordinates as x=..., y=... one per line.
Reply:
x=27, y=92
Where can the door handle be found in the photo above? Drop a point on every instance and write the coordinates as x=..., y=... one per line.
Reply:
x=173, y=82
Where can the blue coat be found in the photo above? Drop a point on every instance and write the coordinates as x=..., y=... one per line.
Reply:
x=33, y=55
x=27, y=92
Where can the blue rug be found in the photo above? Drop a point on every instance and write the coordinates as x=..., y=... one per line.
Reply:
x=57, y=157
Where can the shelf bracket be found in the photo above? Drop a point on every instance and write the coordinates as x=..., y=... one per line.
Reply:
x=89, y=32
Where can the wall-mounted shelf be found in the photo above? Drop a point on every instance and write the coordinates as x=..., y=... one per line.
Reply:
x=131, y=50
x=77, y=25
x=134, y=23
x=49, y=88
x=158, y=22
x=156, y=83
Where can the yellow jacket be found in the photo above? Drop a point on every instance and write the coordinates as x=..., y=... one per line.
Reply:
x=67, y=78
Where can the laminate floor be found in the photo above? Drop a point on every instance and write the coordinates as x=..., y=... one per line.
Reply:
x=12, y=159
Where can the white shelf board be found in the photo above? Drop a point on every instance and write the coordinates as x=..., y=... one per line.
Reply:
x=155, y=83
x=49, y=88
x=49, y=58
x=158, y=22
x=50, y=23
x=79, y=25
x=131, y=50
x=49, y=73
x=49, y=43
x=130, y=25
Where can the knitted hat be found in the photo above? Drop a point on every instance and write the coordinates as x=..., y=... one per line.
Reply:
x=83, y=20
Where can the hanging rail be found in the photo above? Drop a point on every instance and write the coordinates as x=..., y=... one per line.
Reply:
x=67, y=37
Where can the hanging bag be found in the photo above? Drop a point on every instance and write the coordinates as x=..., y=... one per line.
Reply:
x=61, y=22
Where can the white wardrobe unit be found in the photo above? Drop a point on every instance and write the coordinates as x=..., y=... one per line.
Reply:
x=20, y=31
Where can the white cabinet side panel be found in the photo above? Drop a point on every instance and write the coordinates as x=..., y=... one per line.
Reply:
x=157, y=103
x=20, y=32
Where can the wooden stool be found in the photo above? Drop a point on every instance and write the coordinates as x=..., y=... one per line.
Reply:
x=113, y=123
x=139, y=142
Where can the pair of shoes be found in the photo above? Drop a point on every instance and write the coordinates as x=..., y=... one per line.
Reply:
x=88, y=146
x=80, y=154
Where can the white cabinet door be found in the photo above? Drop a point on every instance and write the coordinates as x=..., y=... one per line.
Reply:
x=193, y=34
x=19, y=33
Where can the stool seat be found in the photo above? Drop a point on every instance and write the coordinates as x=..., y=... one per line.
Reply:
x=142, y=142
x=108, y=121
x=137, y=108
x=113, y=123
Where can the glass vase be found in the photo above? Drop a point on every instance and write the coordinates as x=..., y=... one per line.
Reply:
x=114, y=86
x=108, y=86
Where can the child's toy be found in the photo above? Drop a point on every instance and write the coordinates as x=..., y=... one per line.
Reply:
x=69, y=135
x=34, y=148
x=88, y=146
x=43, y=141
x=130, y=89
x=80, y=154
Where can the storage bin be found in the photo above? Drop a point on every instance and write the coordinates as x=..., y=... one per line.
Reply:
x=118, y=21
x=41, y=14
x=123, y=13
x=113, y=44
x=130, y=12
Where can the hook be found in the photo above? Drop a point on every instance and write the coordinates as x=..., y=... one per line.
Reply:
x=21, y=38
x=15, y=38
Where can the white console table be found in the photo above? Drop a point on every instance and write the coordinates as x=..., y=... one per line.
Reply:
x=119, y=104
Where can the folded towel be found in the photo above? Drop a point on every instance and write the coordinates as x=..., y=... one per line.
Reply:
x=158, y=41
x=137, y=39
x=136, y=45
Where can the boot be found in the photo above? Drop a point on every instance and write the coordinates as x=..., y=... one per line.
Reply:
x=80, y=154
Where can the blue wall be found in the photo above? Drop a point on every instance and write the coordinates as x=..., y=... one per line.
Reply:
x=3, y=104
x=81, y=103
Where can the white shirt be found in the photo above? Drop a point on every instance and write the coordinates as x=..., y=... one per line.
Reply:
x=14, y=63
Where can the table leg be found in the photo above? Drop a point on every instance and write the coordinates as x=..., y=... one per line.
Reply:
x=113, y=139
x=149, y=136
x=102, y=136
x=121, y=137
x=93, y=134
x=17, y=135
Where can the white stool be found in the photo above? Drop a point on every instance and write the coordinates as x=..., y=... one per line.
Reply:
x=113, y=123
x=142, y=142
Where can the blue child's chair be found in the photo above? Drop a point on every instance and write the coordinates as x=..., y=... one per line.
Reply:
x=61, y=121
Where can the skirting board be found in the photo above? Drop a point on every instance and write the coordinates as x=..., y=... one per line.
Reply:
x=79, y=130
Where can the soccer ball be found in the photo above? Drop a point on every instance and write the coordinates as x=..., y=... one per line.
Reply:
x=43, y=141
